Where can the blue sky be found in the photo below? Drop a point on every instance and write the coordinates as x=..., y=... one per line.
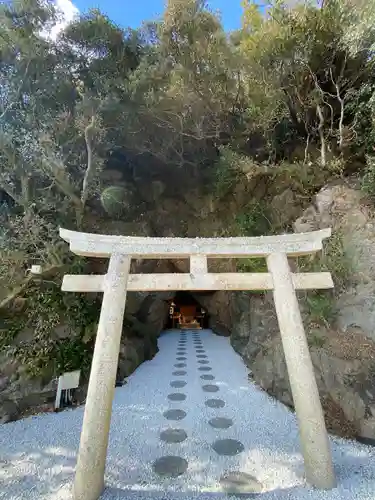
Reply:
x=133, y=12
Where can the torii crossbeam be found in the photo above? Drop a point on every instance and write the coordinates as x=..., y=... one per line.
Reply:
x=89, y=479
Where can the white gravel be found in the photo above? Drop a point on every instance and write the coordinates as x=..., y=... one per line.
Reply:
x=37, y=454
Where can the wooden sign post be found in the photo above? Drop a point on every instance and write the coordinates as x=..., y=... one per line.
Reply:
x=89, y=479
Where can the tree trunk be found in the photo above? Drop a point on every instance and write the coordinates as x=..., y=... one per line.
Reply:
x=323, y=146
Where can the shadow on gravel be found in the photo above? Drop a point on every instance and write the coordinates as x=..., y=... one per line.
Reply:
x=34, y=474
x=287, y=494
x=118, y=494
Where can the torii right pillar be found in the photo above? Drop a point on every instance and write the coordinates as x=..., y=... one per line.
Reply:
x=313, y=433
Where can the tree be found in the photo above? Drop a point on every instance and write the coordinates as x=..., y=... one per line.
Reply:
x=303, y=52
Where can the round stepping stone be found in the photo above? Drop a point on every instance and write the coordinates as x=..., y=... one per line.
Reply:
x=221, y=422
x=177, y=396
x=201, y=356
x=181, y=358
x=201, y=351
x=179, y=373
x=181, y=351
x=240, y=483
x=173, y=435
x=215, y=403
x=174, y=414
x=228, y=447
x=210, y=388
x=178, y=383
x=204, y=369
x=170, y=466
x=207, y=377
x=180, y=365
x=203, y=361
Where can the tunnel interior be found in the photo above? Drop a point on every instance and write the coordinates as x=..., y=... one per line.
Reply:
x=185, y=311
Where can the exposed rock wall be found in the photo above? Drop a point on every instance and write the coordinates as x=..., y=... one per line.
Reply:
x=344, y=208
x=343, y=353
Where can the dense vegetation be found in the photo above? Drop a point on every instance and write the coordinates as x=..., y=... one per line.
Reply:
x=290, y=96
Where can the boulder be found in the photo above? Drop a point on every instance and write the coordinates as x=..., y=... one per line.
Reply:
x=9, y=411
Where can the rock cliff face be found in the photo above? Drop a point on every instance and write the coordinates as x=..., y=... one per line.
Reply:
x=342, y=350
x=343, y=353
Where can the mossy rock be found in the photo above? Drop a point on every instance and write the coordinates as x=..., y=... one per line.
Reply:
x=115, y=200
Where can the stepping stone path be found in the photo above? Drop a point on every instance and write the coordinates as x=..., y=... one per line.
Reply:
x=181, y=429
x=173, y=466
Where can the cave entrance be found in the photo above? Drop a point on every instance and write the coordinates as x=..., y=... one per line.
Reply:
x=185, y=311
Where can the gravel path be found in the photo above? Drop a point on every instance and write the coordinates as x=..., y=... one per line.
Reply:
x=181, y=423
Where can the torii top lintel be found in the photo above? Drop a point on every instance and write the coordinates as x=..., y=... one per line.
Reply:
x=96, y=245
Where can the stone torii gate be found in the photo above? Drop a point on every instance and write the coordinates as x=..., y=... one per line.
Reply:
x=89, y=478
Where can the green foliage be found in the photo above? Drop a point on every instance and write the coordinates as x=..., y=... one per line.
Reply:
x=320, y=308
x=49, y=358
x=48, y=308
x=333, y=259
x=305, y=69
x=226, y=177
x=362, y=107
x=254, y=221
x=368, y=180
x=257, y=265
x=315, y=339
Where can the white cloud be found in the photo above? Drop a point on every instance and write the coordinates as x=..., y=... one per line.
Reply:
x=67, y=12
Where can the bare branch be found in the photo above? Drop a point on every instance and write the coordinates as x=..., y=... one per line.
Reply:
x=342, y=110
x=90, y=170
x=323, y=155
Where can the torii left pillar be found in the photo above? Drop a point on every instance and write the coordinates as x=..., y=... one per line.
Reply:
x=89, y=478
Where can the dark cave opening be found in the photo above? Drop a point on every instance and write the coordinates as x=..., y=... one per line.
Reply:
x=185, y=311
